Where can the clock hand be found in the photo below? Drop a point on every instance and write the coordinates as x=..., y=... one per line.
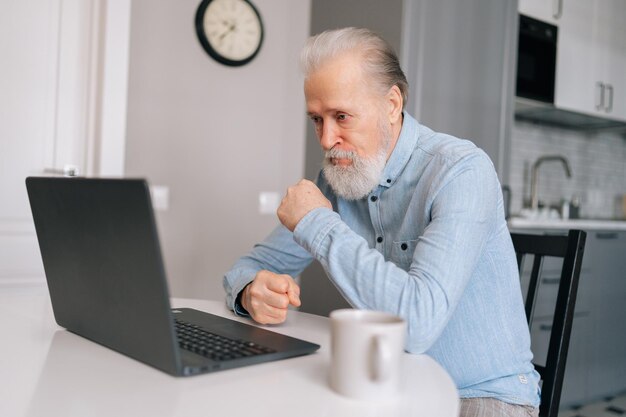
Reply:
x=229, y=30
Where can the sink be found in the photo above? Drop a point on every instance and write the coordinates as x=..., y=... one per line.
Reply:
x=544, y=213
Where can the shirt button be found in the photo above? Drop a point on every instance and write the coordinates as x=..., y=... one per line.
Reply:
x=379, y=239
x=388, y=181
x=404, y=246
x=373, y=198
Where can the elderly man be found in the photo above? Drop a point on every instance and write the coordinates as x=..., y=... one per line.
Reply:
x=404, y=220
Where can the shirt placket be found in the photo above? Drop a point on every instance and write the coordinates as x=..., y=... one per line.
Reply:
x=374, y=205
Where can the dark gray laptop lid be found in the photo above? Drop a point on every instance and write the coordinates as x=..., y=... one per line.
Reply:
x=103, y=264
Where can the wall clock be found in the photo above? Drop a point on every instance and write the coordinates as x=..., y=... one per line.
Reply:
x=230, y=31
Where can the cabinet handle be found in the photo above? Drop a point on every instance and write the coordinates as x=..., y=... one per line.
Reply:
x=606, y=235
x=609, y=89
x=545, y=327
x=557, y=8
x=600, y=97
x=551, y=281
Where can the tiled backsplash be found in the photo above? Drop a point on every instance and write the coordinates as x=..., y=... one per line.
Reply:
x=597, y=161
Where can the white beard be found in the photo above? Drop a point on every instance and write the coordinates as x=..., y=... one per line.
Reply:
x=358, y=179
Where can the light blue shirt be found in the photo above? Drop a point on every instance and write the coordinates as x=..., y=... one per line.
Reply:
x=430, y=244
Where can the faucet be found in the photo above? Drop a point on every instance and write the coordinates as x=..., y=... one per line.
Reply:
x=534, y=199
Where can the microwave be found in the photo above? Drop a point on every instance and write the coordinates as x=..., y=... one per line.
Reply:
x=536, y=59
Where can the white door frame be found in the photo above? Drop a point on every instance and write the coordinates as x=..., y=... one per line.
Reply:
x=85, y=123
x=109, y=147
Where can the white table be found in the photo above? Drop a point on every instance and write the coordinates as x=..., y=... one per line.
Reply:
x=47, y=371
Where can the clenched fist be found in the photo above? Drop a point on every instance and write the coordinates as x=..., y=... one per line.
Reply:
x=299, y=200
x=269, y=295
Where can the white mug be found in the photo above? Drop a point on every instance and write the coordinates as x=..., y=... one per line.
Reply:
x=366, y=350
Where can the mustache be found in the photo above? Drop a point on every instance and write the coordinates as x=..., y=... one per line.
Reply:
x=340, y=154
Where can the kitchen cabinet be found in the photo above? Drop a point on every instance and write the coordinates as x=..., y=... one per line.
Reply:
x=575, y=85
x=608, y=358
x=546, y=10
x=549, y=287
x=611, y=55
x=576, y=383
x=591, y=58
x=591, y=54
x=596, y=359
x=575, y=386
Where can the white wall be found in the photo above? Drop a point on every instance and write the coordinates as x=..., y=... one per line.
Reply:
x=215, y=135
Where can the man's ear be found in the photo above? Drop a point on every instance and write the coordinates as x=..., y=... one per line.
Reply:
x=395, y=103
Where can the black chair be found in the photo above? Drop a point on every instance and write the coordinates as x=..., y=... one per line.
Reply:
x=570, y=248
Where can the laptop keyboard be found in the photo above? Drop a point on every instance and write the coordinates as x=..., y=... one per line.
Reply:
x=219, y=348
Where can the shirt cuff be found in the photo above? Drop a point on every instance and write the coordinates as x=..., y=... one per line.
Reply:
x=238, y=307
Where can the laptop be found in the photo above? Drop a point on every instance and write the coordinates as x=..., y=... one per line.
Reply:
x=102, y=259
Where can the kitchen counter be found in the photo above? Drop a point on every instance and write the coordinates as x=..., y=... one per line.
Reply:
x=559, y=224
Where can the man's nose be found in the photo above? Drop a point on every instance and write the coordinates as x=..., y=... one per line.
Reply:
x=329, y=136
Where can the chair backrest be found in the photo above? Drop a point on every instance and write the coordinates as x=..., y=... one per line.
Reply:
x=570, y=248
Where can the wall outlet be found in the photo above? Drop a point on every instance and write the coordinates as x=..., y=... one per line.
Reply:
x=269, y=202
x=160, y=197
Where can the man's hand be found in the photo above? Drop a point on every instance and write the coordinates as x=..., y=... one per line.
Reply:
x=268, y=296
x=299, y=200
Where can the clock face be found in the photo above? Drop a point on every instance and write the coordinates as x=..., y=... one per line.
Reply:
x=231, y=31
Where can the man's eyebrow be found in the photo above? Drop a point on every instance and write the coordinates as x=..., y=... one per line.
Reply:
x=329, y=111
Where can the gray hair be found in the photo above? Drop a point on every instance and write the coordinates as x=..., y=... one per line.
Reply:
x=379, y=59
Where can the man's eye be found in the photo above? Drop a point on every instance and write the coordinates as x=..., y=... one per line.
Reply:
x=315, y=119
x=342, y=117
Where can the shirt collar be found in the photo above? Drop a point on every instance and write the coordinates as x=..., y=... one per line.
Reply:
x=401, y=152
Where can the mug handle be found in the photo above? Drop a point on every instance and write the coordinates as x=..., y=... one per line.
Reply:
x=381, y=358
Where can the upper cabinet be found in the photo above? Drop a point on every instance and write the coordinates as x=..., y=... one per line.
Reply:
x=591, y=58
x=591, y=54
x=610, y=33
x=576, y=69
x=547, y=10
